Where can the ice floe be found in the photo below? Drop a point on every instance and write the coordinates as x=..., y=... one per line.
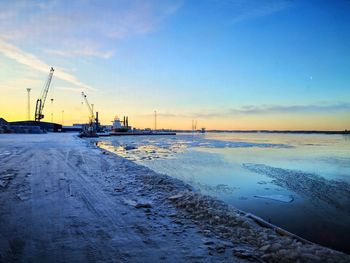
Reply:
x=312, y=186
x=167, y=146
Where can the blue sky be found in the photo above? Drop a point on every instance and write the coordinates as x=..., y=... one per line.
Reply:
x=230, y=63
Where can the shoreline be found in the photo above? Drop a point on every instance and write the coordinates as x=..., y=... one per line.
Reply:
x=93, y=201
x=344, y=132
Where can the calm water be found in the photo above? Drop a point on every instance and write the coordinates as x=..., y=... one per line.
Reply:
x=298, y=182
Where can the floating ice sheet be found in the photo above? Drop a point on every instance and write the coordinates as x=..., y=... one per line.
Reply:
x=313, y=186
x=144, y=148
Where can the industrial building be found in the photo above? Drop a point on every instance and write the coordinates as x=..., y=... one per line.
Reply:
x=28, y=127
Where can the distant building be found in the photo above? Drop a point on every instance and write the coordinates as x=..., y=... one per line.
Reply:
x=3, y=126
x=44, y=126
x=3, y=121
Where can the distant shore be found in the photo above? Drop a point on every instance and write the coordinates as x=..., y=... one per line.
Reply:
x=345, y=132
x=83, y=203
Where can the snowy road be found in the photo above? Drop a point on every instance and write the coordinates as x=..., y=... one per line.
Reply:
x=65, y=202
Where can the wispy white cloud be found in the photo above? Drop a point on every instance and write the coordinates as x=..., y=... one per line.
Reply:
x=280, y=109
x=35, y=63
x=73, y=89
x=18, y=84
x=309, y=108
x=261, y=9
x=141, y=18
x=98, y=23
x=81, y=52
x=264, y=110
x=242, y=10
x=71, y=29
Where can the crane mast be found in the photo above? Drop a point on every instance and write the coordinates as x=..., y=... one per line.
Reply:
x=92, y=128
x=40, y=103
x=92, y=115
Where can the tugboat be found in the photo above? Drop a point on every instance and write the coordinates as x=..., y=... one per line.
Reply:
x=89, y=131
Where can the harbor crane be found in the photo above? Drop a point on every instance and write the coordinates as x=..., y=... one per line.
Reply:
x=91, y=111
x=93, y=122
x=40, y=103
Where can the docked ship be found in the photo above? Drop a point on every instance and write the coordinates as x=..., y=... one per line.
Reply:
x=121, y=125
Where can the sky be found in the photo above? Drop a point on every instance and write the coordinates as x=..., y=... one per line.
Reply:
x=228, y=64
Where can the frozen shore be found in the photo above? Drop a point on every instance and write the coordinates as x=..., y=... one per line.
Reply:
x=64, y=200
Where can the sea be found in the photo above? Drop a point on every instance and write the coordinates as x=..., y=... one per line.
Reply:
x=300, y=182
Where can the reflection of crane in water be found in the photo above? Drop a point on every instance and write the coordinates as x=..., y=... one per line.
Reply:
x=40, y=103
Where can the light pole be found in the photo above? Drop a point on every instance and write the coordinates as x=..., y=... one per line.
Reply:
x=28, y=103
x=52, y=110
x=155, y=120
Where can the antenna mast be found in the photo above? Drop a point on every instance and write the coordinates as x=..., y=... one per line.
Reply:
x=155, y=120
x=28, y=103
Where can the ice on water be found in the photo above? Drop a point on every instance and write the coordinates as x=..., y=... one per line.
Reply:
x=281, y=198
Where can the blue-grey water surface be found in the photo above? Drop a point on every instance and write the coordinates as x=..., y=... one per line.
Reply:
x=297, y=181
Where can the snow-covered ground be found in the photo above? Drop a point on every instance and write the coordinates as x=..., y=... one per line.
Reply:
x=64, y=200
